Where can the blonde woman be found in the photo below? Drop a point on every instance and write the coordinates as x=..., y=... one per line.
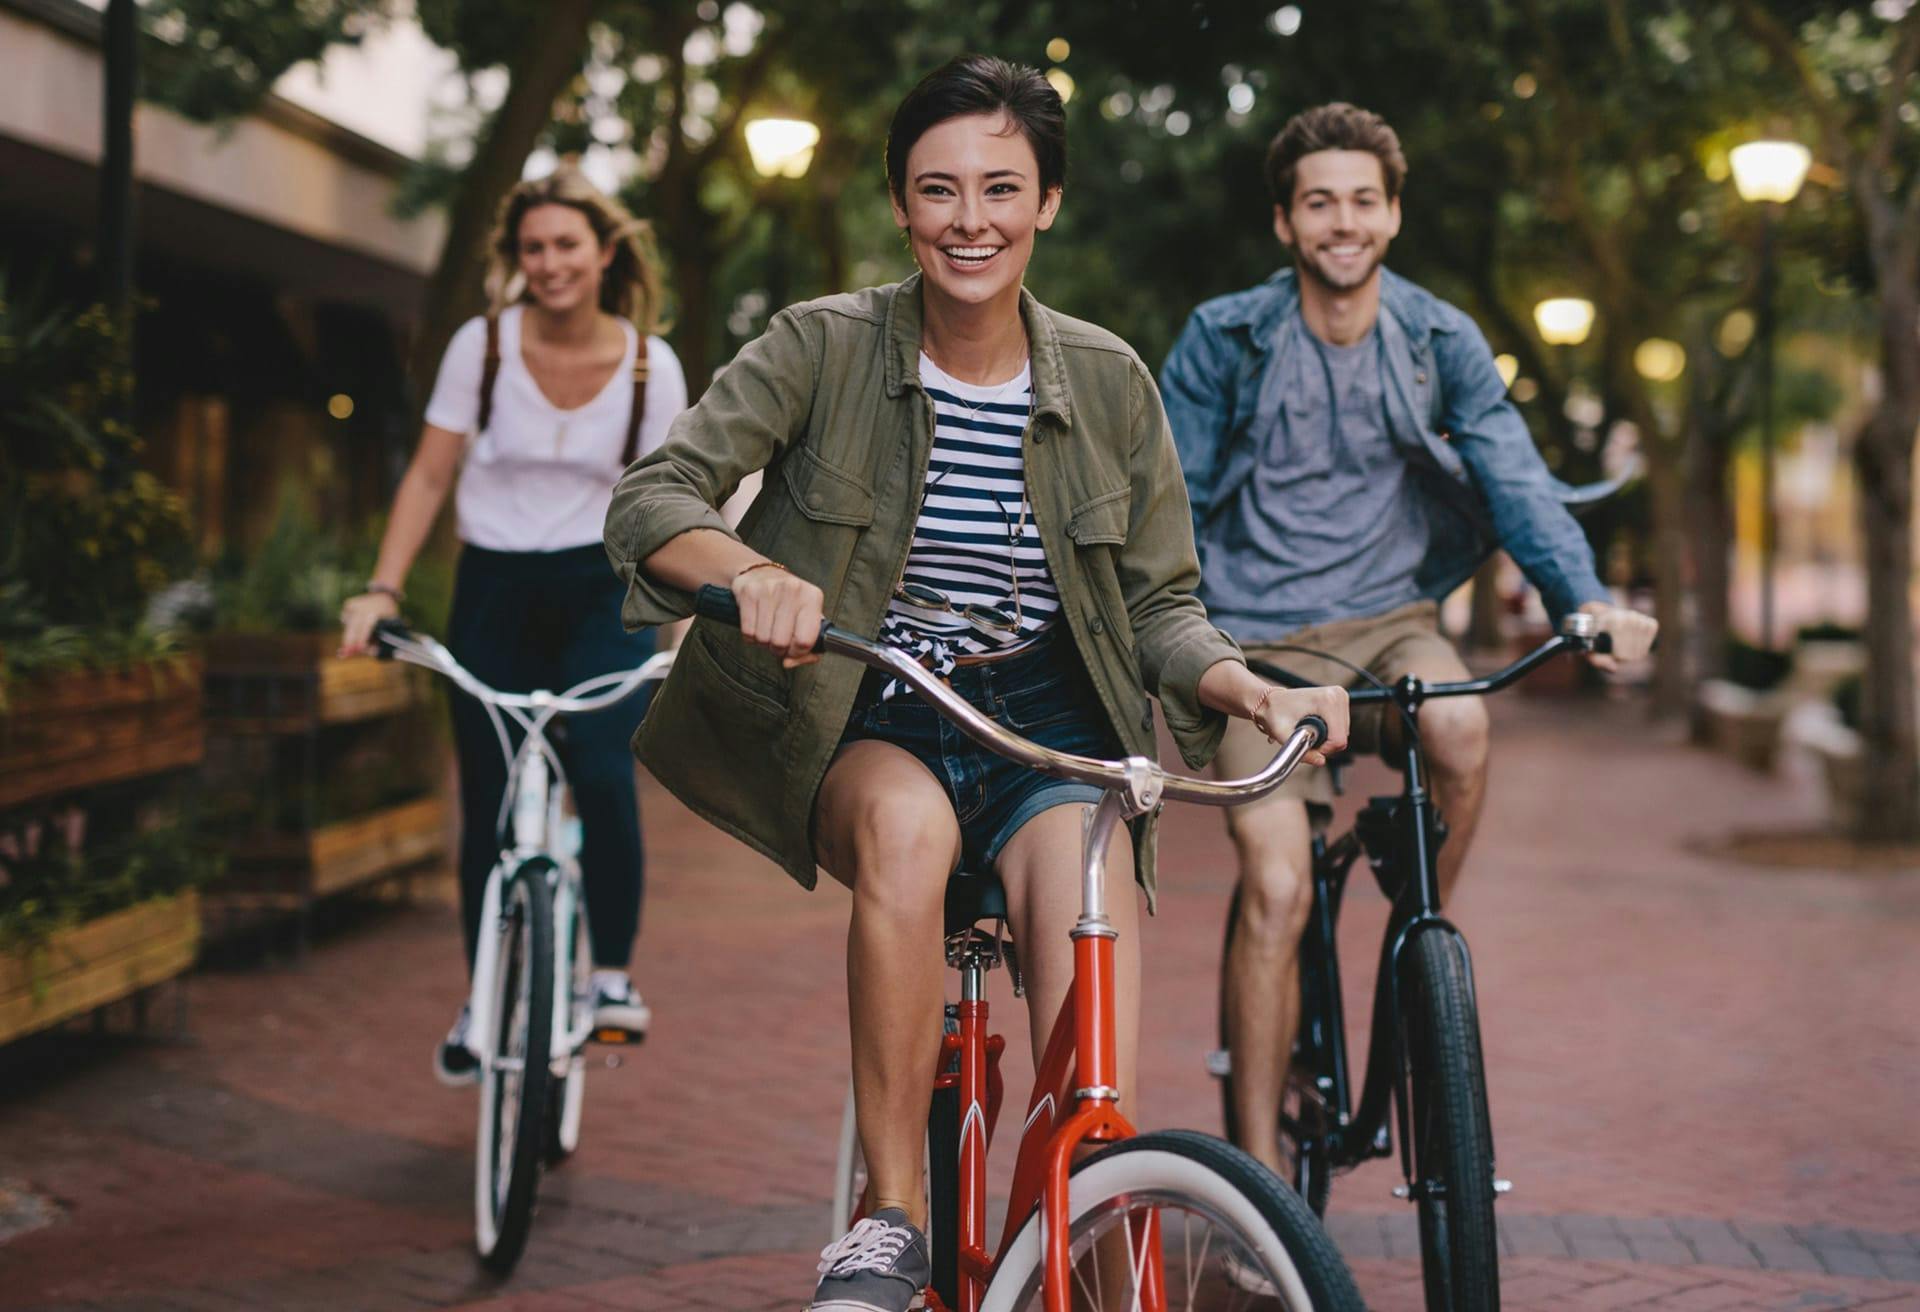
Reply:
x=539, y=406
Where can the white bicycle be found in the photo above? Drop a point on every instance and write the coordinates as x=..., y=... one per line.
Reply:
x=532, y=964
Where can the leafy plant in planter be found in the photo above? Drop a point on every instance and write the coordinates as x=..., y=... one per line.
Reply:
x=52, y=877
x=86, y=536
x=295, y=580
x=1759, y=668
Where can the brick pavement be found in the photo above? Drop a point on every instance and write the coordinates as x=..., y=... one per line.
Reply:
x=1700, y=1076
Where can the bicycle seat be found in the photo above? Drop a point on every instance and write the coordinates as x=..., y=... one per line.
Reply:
x=973, y=897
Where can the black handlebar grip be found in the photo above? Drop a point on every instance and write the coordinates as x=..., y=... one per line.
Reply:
x=1315, y=723
x=716, y=603
x=389, y=629
x=1602, y=644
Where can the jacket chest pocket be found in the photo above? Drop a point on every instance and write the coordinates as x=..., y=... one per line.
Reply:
x=1101, y=521
x=825, y=493
x=821, y=522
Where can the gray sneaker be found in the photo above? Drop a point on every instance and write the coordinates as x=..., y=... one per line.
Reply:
x=880, y=1265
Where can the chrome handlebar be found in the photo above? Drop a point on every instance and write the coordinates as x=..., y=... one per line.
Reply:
x=1141, y=783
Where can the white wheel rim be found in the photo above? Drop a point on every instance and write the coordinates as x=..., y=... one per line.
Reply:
x=1152, y=1176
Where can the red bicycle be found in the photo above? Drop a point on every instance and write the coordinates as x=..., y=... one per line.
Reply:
x=1150, y=1222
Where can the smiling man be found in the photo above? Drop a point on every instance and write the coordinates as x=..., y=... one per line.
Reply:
x=1351, y=457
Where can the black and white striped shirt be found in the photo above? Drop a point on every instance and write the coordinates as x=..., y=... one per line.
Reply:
x=976, y=526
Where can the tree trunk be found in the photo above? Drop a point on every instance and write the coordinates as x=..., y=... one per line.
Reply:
x=1486, y=630
x=694, y=277
x=1666, y=483
x=454, y=293
x=1883, y=457
x=1709, y=512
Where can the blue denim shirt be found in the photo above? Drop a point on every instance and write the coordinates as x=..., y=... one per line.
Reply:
x=1447, y=411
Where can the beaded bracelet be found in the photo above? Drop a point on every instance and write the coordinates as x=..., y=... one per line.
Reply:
x=758, y=564
x=1260, y=707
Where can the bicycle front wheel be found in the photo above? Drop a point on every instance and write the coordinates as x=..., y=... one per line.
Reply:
x=1230, y=1235
x=516, y=1071
x=1452, y=1131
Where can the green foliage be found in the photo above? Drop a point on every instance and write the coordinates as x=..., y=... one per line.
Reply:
x=1826, y=631
x=1758, y=668
x=216, y=59
x=1846, y=700
x=296, y=579
x=86, y=537
x=293, y=581
x=48, y=884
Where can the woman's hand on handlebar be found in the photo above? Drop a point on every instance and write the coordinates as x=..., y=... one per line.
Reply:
x=1279, y=709
x=780, y=611
x=1632, y=634
x=1231, y=687
x=359, y=614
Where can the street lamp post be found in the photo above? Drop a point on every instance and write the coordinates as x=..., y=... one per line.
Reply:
x=782, y=151
x=1768, y=173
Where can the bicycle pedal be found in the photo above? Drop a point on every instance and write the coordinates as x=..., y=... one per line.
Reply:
x=1219, y=1063
x=618, y=1037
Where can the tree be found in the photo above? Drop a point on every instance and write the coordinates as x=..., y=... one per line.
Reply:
x=1856, y=77
x=224, y=56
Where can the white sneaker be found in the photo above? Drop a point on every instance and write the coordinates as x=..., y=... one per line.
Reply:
x=454, y=1064
x=617, y=1005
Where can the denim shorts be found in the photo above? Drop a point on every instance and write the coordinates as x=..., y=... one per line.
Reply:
x=1043, y=693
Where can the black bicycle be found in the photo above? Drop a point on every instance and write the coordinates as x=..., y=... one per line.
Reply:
x=1423, y=1060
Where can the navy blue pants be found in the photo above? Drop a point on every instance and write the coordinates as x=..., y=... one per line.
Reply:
x=549, y=619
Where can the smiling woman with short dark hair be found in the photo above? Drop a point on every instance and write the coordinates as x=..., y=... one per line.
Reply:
x=986, y=483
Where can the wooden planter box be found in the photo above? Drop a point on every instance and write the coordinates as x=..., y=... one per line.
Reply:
x=1742, y=723
x=291, y=872
x=99, y=962
x=288, y=682
x=93, y=727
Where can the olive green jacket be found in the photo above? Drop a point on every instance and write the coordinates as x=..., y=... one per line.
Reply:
x=829, y=403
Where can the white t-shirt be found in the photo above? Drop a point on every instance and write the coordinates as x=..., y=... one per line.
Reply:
x=540, y=478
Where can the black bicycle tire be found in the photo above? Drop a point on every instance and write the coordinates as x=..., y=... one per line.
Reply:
x=1451, y=1127
x=1328, y=1283
x=529, y=1145
x=1312, y=1170
x=943, y=1193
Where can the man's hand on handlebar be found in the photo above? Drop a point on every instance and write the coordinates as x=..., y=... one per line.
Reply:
x=1631, y=632
x=780, y=611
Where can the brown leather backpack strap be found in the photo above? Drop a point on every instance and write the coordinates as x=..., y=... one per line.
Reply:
x=489, y=372
x=639, y=410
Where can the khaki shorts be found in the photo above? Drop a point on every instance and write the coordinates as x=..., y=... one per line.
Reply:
x=1386, y=646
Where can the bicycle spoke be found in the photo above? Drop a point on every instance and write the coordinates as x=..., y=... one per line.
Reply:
x=1193, y=1269
x=1193, y=1275
x=1134, y=1267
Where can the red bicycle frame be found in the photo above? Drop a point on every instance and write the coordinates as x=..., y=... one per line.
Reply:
x=1075, y=1102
